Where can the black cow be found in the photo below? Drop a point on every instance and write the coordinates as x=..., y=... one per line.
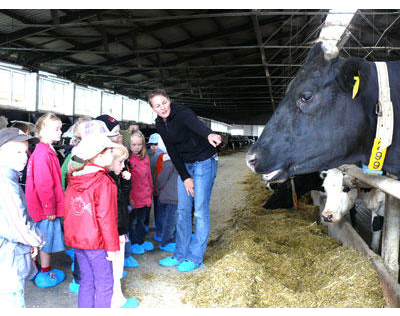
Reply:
x=318, y=126
x=282, y=197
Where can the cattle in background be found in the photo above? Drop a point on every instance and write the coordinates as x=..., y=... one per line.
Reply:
x=282, y=197
x=341, y=191
x=318, y=126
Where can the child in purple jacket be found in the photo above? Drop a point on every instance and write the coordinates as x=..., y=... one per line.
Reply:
x=45, y=196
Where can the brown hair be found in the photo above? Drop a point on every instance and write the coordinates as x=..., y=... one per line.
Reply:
x=22, y=126
x=153, y=93
x=143, y=152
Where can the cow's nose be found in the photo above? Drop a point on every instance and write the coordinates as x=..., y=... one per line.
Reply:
x=327, y=218
x=251, y=160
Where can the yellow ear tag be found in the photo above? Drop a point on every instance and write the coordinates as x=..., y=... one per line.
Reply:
x=356, y=86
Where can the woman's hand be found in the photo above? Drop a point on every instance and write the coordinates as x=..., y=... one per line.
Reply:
x=189, y=186
x=214, y=139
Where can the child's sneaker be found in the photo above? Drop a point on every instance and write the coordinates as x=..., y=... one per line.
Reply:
x=137, y=249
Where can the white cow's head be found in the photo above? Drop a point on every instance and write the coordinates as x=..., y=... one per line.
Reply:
x=341, y=192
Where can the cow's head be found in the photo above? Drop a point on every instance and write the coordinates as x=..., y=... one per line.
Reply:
x=317, y=125
x=341, y=194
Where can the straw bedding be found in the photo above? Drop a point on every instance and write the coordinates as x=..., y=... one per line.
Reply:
x=281, y=258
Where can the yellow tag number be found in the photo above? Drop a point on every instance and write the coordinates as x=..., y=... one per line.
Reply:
x=377, y=156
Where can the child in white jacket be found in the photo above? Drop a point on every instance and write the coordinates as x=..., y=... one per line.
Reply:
x=20, y=240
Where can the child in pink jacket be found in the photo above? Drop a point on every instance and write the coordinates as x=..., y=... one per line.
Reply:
x=45, y=196
x=140, y=197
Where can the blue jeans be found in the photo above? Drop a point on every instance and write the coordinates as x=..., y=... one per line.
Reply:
x=203, y=174
x=137, y=230
x=167, y=215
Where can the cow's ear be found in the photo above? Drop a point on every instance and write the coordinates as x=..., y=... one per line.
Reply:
x=323, y=174
x=352, y=68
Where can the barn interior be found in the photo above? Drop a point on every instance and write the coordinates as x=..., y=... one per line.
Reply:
x=228, y=65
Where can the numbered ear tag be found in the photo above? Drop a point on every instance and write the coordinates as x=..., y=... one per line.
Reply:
x=356, y=86
x=377, y=156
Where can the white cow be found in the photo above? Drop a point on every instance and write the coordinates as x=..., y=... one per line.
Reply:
x=341, y=191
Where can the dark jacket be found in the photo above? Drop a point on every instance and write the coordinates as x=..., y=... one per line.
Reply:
x=123, y=187
x=167, y=183
x=186, y=138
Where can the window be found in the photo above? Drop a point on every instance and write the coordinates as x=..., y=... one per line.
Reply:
x=55, y=95
x=130, y=109
x=87, y=101
x=111, y=104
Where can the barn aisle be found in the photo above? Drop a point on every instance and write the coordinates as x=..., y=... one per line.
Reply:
x=153, y=285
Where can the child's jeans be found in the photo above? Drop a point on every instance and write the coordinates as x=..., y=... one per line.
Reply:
x=167, y=214
x=137, y=230
x=96, y=285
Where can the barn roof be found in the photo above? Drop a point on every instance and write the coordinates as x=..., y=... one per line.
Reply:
x=229, y=65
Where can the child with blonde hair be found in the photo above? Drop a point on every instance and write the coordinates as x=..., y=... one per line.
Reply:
x=45, y=196
x=123, y=183
x=140, y=197
x=90, y=223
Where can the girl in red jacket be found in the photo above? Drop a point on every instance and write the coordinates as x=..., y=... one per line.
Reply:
x=91, y=220
x=45, y=196
x=141, y=193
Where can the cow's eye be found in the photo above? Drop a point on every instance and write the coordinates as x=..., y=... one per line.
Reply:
x=306, y=97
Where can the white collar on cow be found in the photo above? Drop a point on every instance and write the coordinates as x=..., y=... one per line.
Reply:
x=384, y=128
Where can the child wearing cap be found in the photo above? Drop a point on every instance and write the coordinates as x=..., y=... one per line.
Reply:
x=19, y=237
x=45, y=196
x=90, y=222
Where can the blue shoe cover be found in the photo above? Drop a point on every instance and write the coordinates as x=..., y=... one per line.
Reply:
x=147, y=245
x=130, y=262
x=72, y=266
x=137, y=249
x=157, y=238
x=124, y=274
x=193, y=234
x=43, y=279
x=169, y=262
x=74, y=287
x=131, y=303
x=168, y=248
x=34, y=277
x=187, y=266
x=146, y=228
x=70, y=253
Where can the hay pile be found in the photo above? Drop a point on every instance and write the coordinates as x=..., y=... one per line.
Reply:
x=280, y=258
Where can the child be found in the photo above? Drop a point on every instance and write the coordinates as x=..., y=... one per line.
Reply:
x=122, y=180
x=141, y=192
x=90, y=223
x=19, y=237
x=153, y=154
x=166, y=181
x=77, y=136
x=45, y=196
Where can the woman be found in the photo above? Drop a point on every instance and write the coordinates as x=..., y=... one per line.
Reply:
x=191, y=146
